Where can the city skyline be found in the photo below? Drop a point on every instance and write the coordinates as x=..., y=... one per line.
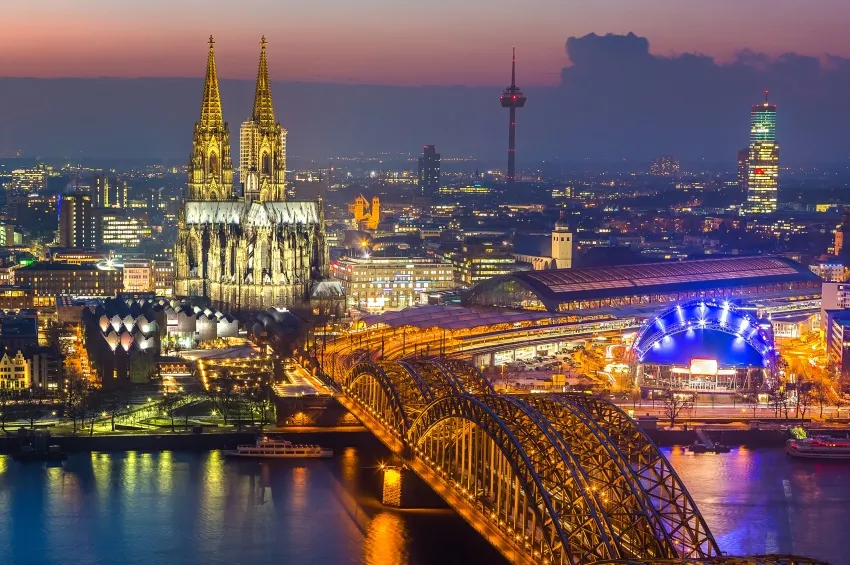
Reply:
x=334, y=41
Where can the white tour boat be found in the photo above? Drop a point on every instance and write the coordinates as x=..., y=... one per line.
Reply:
x=270, y=448
x=819, y=447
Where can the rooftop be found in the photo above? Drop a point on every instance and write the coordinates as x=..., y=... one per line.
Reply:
x=565, y=285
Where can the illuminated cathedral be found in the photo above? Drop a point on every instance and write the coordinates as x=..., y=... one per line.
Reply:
x=251, y=251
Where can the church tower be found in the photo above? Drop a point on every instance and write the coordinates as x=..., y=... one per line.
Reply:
x=263, y=151
x=210, y=167
x=562, y=244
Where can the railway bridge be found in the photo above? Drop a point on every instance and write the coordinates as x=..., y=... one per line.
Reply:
x=545, y=478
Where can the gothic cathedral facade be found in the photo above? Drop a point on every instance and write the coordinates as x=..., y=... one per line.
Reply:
x=255, y=250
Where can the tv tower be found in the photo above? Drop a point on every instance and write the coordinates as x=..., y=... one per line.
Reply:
x=513, y=98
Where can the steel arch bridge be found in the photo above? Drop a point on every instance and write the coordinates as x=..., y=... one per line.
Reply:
x=546, y=478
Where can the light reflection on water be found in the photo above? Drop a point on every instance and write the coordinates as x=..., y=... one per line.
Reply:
x=762, y=501
x=166, y=508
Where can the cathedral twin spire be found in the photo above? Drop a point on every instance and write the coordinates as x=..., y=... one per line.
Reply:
x=211, y=170
x=211, y=114
x=263, y=114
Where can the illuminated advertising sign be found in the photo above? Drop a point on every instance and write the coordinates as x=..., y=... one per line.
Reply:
x=703, y=366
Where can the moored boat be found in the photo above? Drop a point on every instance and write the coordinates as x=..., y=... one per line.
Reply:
x=270, y=448
x=818, y=447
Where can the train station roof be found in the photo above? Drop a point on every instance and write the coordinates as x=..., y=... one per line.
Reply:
x=452, y=317
x=560, y=286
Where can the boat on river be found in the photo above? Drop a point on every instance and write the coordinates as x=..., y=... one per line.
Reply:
x=271, y=448
x=818, y=447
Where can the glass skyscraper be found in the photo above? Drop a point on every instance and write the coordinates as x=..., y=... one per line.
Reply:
x=763, y=160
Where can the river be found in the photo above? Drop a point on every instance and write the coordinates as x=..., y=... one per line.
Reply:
x=169, y=508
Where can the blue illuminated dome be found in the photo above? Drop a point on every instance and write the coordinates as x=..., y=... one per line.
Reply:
x=705, y=329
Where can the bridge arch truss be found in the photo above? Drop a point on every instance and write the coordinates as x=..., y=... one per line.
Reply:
x=564, y=479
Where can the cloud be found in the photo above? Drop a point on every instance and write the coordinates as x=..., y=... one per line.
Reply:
x=619, y=99
x=616, y=100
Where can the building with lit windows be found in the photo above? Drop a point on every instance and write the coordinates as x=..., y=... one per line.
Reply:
x=14, y=372
x=743, y=172
x=48, y=280
x=481, y=261
x=763, y=160
x=378, y=283
x=664, y=166
x=138, y=276
x=163, y=277
x=429, y=172
x=77, y=222
x=118, y=229
x=108, y=194
x=27, y=181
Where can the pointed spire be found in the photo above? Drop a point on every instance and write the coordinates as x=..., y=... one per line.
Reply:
x=211, y=115
x=513, y=69
x=263, y=114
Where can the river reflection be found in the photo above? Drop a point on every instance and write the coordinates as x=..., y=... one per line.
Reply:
x=173, y=508
x=762, y=501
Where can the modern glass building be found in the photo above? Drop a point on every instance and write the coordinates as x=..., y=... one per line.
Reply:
x=763, y=160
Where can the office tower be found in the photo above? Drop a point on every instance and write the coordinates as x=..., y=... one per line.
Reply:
x=106, y=193
x=429, y=171
x=77, y=222
x=763, y=159
x=258, y=251
x=743, y=158
x=513, y=98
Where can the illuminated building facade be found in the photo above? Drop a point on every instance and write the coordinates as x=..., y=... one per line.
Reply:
x=14, y=372
x=378, y=283
x=118, y=229
x=763, y=160
x=664, y=166
x=253, y=252
x=48, y=280
x=163, y=277
x=478, y=262
x=743, y=172
x=138, y=276
x=365, y=215
x=108, y=194
x=77, y=222
x=429, y=172
x=28, y=181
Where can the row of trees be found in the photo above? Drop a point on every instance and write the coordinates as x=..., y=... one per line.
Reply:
x=236, y=402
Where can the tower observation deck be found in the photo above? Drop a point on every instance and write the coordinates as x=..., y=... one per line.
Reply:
x=513, y=98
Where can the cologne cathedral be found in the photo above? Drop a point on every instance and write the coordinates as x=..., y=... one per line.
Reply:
x=250, y=251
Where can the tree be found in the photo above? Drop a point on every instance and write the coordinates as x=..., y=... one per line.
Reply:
x=75, y=397
x=33, y=403
x=6, y=397
x=822, y=393
x=675, y=402
x=260, y=402
x=115, y=401
x=779, y=402
x=222, y=394
x=169, y=404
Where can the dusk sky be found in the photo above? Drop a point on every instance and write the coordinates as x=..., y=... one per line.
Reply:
x=390, y=41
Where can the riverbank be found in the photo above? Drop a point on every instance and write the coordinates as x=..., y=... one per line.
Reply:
x=334, y=439
x=736, y=436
